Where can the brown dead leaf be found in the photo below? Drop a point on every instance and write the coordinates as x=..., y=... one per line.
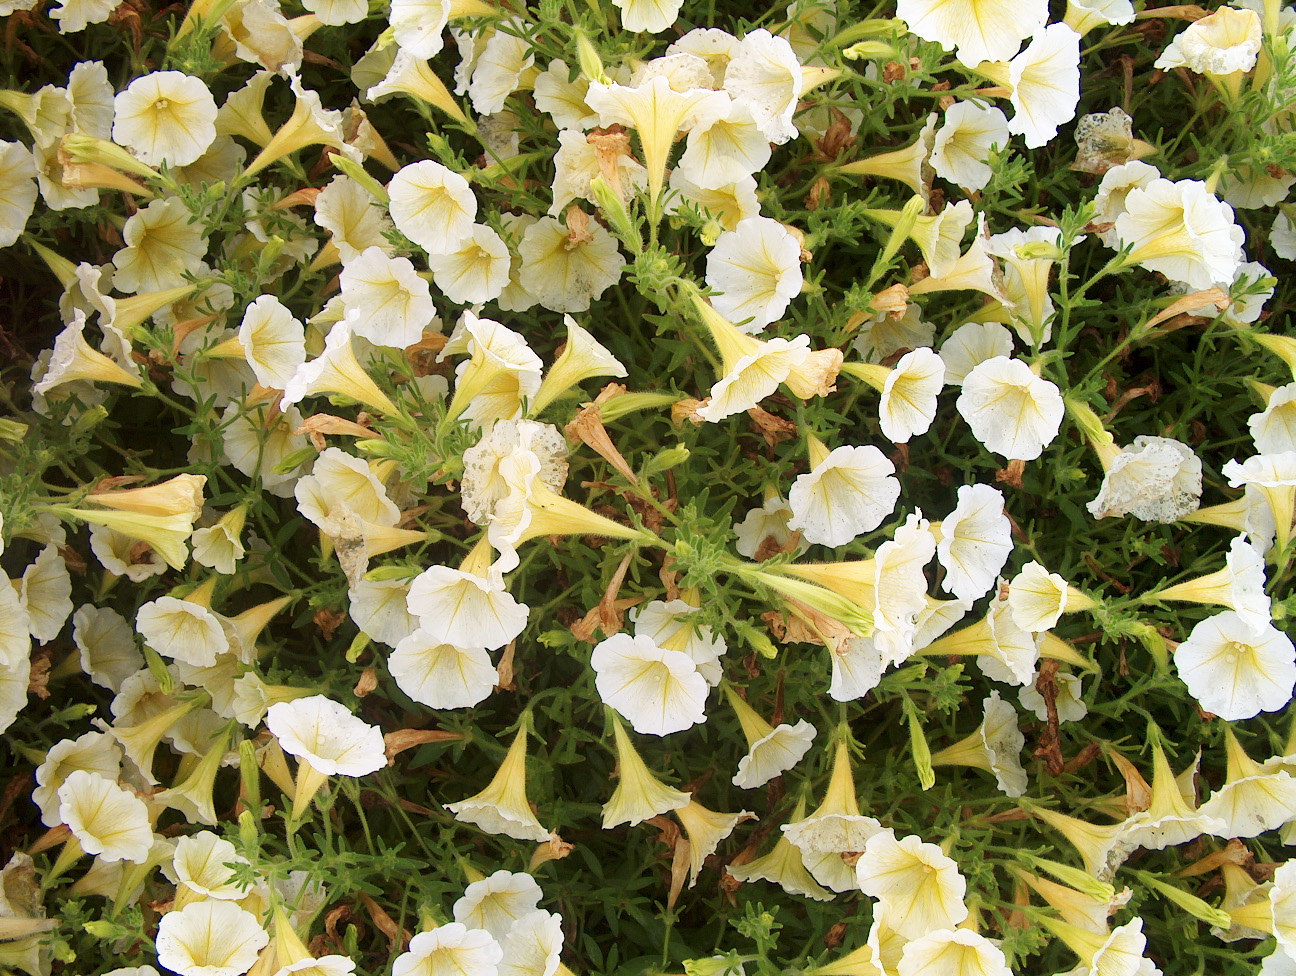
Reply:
x=328, y=621
x=772, y=428
x=367, y=683
x=1012, y=475
x=397, y=938
x=505, y=668
x=553, y=849
x=687, y=409
x=397, y=742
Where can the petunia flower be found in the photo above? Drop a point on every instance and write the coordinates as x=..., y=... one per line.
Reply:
x=995, y=746
x=977, y=30
x=1043, y=82
x=1235, y=670
x=783, y=866
x=1037, y=598
x=756, y=270
x=496, y=903
x=476, y=271
x=106, y=820
x=959, y=951
x=1157, y=479
x=705, y=830
x=209, y=938
x=975, y=542
x=1273, y=478
x=564, y=269
x=657, y=690
x=909, y=391
x=1011, y=411
x=1181, y=230
x=846, y=492
x=765, y=74
x=432, y=205
x=639, y=794
x=1252, y=799
x=770, y=751
x=726, y=149
x=328, y=740
x=648, y=16
x=502, y=807
x=202, y=868
x=394, y=303
x=1239, y=586
x=966, y=137
x=919, y=884
x=165, y=117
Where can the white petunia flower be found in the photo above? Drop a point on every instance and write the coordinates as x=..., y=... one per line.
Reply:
x=1183, y=231
x=563, y=98
x=498, y=902
x=394, y=302
x=273, y=342
x=210, y=938
x=765, y=530
x=441, y=675
x=1045, y=84
x=909, y=393
x=185, y=631
x=201, y=863
x=18, y=190
x=324, y=734
x=347, y=210
x=1274, y=428
x=978, y=30
x=432, y=205
x=93, y=752
x=165, y=117
x=418, y=25
x=964, y=141
x=755, y=376
x=45, y=591
x=565, y=272
x=970, y=345
x=1235, y=671
x=1069, y=702
x=765, y=74
x=960, y=951
x=533, y=945
x=1222, y=42
x=502, y=807
x=658, y=691
x=849, y=491
x=499, y=67
x=975, y=542
x=107, y=820
x=163, y=244
x=476, y=271
x=1011, y=411
x=919, y=885
x=1156, y=479
x=464, y=609
x=648, y=16
x=673, y=624
x=726, y=149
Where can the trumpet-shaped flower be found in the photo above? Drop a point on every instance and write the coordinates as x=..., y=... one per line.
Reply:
x=995, y=746
x=273, y=342
x=1183, y=231
x=165, y=117
x=394, y=303
x=485, y=482
x=324, y=733
x=1252, y=800
x=346, y=210
x=1239, y=586
x=918, y=883
x=1069, y=702
x=648, y=16
x=533, y=946
x=201, y=864
x=1273, y=478
x=418, y=25
x=1224, y=41
x=964, y=141
x=450, y=949
x=958, y=952
x=500, y=371
x=848, y=491
x=1044, y=81
x=754, y=376
x=756, y=268
x=978, y=30
x=975, y=542
x=785, y=867
x=726, y=150
x=502, y=807
x=765, y=74
x=1157, y=479
x=182, y=630
x=1274, y=428
x=465, y=609
x=476, y=271
x=498, y=902
x=1011, y=411
x=210, y=938
x=162, y=246
x=93, y=752
x=639, y=794
x=674, y=624
x=583, y=357
x=1037, y=598
x=441, y=675
x=770, y=751
x=970, y=345
x=657, y=690
x=499, y=67
x=432, y=205
x=107, y=820
x=705, y=830
x=1234, y=670
x=565, y=271
x=18, y=190
x=336, y=370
